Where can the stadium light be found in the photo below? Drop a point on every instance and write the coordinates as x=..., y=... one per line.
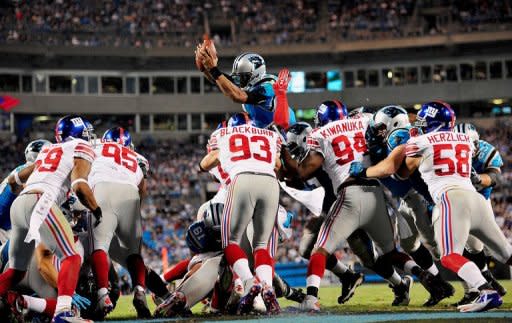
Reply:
x=390, y=74
x=498, y=101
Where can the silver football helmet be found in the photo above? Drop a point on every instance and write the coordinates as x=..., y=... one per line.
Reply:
x=391, y=116
x=470, y=130
x=296, y=137
x=33, y=149
x=248, y=69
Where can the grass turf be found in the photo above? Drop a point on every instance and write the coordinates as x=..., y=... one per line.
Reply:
x=367, y=299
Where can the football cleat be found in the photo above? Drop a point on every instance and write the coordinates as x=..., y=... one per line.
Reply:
x=140, y=304
x=297, y=295
x=488, y=299
x=349, y=282
x=468, y=297
x=270, y=300
x=494, y=283
x=104, y=305
x=402, y=292
x=173, y=306
x=17, y=305
x=246, y=303
x=445, y=290
x=69, y=317
x=310, y=304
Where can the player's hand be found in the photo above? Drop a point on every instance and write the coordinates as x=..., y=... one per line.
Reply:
x=357, y=170
x=281, y=86
x=476, y=179
x=82, y=303
x=208, y=57
x=97, y=215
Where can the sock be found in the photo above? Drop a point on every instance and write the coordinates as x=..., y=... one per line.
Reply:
x=137, y=270
x=35, y=304
x=100, y=266
x=335, y=266
x=237, y=259
x=68, y=277
x=422, y=257
x=10, y=278
x=399, y=259
x=155, y=283
x=479, y=258
x=263, y=266
x=470, y=273
x=51, y=304
x=102, y=291
x=63, y=304
x=395, y=279
x=383, y=267
x=177, y=271
x=411, y=267
x=316, y=270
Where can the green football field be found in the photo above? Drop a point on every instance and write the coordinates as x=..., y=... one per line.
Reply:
x=369, y=298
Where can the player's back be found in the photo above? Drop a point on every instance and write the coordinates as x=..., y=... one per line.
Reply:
x=115, y=163
x=246, y=149
x=54, y=165
x=446, y=160
x=340, y=142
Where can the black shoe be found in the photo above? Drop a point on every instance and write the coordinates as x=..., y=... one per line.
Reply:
x=445, y=290
x=494, y=283
x=297, y=295
x=402, y=292
x=141, y=305
x=468, y=297
x=349, y=282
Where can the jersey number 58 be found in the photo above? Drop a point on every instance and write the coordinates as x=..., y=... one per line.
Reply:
x=444, y=155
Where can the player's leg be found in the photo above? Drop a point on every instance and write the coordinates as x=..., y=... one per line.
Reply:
x=20, y=253
x=129, y=232
x=265, y=212
x=57, y=236
x=340, y=223
x=457, y=213
x=102, y=236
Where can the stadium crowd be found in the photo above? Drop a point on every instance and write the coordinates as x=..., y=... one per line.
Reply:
x=175, y=193
x=144, y=23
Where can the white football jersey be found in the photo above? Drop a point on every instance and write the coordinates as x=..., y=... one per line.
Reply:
x=445, y=161
x=54, y=165
x=246, y=149
x=340, y=143
x=115, y=163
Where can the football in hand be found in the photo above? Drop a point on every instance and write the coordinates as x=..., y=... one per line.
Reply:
x=210, y=48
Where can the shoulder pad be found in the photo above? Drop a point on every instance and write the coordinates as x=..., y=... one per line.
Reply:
x=397, y=137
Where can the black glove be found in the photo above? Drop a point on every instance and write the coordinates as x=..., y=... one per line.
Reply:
x=97, y=215
x=476, y=179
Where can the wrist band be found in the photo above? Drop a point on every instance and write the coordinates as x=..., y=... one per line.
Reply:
x=215, y=72
x=17, y=178
x=78, y=180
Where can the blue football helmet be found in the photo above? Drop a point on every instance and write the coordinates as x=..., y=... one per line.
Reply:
x=197, y=237
x=329, y=111
x=119, y=135
x=239, y=119
x=435, y=116
x=33, y=149
x=73, y=127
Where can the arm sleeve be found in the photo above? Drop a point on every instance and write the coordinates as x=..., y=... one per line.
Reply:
x=84, y=150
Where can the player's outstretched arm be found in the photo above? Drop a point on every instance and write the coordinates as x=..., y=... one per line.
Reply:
x=209, y=161
x=17, y=179
x=490, y=177
x=305, y=169
x=389, y=165
x=408, y=167
x=80, y=186
x=210, y=60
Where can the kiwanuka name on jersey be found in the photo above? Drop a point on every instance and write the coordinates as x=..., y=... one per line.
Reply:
x=116, y=163
x=340, y=143
x=246, y=149
x=445, y=161
x=53, y=167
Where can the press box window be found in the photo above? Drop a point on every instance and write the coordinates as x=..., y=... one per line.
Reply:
x=60, y=84
x=111, y=85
